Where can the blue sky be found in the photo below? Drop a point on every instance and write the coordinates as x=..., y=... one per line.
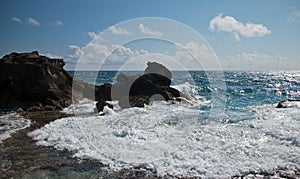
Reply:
x=247, y=35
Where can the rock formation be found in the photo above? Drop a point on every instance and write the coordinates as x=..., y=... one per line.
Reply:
x=34, y=83
x=153, y=85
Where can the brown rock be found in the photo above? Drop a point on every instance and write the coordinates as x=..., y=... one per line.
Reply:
x=33, y=82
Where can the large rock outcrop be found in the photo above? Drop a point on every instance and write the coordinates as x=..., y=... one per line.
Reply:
x=153, y=85
x=34, y=82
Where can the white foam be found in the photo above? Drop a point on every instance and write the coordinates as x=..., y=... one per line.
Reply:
x=108, y=111
x=187, y=88
x=84, y=106
x=10, y=123
x=168, y=139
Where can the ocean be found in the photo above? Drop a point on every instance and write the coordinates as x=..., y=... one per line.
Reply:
x=230, y=126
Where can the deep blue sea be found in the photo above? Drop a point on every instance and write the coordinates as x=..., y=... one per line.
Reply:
x=229, y=127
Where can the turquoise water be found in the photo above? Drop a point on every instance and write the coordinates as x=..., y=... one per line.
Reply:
x=239, y=89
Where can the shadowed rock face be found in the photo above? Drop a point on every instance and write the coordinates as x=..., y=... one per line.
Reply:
x=33, y=82
x=153, y=85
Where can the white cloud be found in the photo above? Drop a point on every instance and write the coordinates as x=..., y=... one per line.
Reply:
x=293, y=16
x=52, y=56
x=32, y=21
x=119, y=31
x=145, y=30
x=236, y=36
x=16, y=19
x=75, y=52
x=95, y=36
x=92, y=34
x=230, y=24
x=58, y=23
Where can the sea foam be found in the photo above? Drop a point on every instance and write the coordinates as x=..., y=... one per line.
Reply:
x=10, y=123
x=172, y=139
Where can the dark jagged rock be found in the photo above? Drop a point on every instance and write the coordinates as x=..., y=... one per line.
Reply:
x=158, y=74
x=145, y=86
x=34, y=83
x=286, y=103
x=103, y=92
x=121, y=88
x=280, y=104
x=101, y=103
x=153, y=85
x=156, y=68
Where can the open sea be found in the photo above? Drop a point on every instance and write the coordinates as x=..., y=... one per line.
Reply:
x=230, y=126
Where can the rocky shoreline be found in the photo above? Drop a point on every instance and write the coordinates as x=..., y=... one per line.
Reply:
x=42, y=88
x=21, y=158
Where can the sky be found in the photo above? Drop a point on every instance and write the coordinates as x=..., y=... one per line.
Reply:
x=233, y=35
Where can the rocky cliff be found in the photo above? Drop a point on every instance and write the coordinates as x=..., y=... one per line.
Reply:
x=34, y=82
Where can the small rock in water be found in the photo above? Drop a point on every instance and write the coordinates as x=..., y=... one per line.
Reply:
x=287, y=103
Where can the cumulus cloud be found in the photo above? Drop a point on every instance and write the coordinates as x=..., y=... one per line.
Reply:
x=119, y=31
x=16, y=19
x=58, y=23
x=230, y=24
x=293, y=16
x=33, y=22
x=145, y=30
